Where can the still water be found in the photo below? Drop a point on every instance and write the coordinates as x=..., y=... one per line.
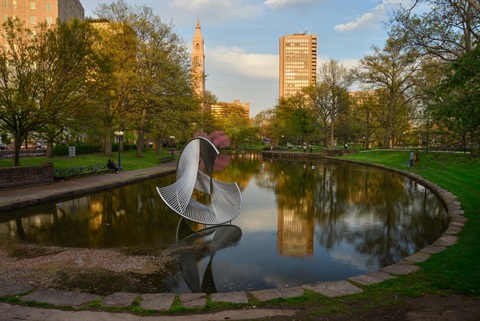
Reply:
x=302, y=223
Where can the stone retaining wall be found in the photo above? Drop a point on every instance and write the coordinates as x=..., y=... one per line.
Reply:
x=275, y=154
x=26, y=175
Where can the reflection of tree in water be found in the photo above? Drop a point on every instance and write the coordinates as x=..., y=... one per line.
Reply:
x=375, y=210
x=240, y=170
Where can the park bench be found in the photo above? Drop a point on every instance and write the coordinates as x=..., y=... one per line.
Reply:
x=81, y=171
x=163, y=159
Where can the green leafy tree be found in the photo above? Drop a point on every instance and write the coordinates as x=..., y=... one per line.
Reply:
x=458, y=98
x=298, y=117
x=392, y=72
x=153, y=92
x=42, y=78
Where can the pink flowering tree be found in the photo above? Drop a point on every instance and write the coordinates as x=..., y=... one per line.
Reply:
x=220, y=139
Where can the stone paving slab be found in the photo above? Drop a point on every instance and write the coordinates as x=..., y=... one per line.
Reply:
x=458, y=218
x=9, y=289
x=20, y=313
x=119, y=299
x=446, y=240
x=371, y=277
x=418, y=257
x=401, y=268
x=230, y=297
x=452, y=229
x=157, y=301
x=60, y=298
x=432, y=249
x=193, y=300
x=271, y=294
x=333, y=289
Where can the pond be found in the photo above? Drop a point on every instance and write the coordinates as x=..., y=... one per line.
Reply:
x=301, y=223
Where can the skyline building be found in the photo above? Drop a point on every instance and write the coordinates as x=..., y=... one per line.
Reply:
x=36, y=12
x=298, y=63
x=198, y=61
x=224, y=109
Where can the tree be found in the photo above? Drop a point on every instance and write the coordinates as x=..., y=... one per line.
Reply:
x=458, y=97
x=154, y=89
x=335, y=80
x=297, y=115
x=448, y=30
x=219, y=139
x=42, y=77
x=392, y=72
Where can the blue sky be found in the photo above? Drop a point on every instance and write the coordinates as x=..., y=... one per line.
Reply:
x=242, y=37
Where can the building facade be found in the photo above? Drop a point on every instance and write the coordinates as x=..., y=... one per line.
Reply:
x=198, y=62
x=34, y=12
x=223, y=109
x=298, y=63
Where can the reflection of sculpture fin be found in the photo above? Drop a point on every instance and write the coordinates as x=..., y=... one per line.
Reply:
x=208, y=281
x=226, y=197
x=189, y=269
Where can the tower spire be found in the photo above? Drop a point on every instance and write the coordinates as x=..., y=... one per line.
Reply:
x=198, y=61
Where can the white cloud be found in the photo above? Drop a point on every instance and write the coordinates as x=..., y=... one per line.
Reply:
x=347, y=63
x=279, y=4
x=219, y=10
x=365, y=21
x=236, y=61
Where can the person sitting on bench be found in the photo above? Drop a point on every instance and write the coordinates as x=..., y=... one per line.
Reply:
x=112, y=165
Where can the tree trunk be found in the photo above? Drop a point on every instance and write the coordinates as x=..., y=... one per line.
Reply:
x=140, y=143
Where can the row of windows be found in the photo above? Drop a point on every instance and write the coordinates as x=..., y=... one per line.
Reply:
x=298, y=40
x=298, y=62
x=33, y=19
x=48, y=5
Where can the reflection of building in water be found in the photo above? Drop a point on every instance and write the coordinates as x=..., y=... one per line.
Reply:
x=295, y=232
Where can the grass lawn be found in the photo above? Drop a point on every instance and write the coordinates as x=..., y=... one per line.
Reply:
x=128, y=159
x=456, y=269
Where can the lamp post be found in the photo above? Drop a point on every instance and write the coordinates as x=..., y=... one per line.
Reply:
x=173, y=145
x=119, y=136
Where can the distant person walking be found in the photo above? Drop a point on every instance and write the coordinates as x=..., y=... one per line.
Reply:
x=411, y=159
x=416, y=159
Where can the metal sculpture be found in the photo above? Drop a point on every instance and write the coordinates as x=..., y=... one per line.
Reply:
x=226, y=198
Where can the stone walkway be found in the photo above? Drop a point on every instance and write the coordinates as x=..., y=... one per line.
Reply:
x=67, y=305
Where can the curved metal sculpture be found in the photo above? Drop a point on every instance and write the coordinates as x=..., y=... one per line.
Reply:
x=226, y=197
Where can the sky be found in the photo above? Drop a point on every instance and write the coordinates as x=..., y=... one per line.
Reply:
x=242, y=37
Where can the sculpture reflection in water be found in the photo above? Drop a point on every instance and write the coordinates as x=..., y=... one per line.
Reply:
x=226, y=198
x=193, y=247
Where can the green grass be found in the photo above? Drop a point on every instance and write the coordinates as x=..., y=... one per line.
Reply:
x=129, y=161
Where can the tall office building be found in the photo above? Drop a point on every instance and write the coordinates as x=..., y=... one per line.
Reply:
x=198, y=61
x=298, y=63
x=34, y=12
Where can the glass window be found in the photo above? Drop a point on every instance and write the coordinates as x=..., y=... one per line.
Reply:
x=33, y=20
x=49, y=20
x=32, y=5
x=5, y=3
x=49, y=6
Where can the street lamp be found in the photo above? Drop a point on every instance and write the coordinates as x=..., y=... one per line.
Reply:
x=119, y=135
x=172, y=152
